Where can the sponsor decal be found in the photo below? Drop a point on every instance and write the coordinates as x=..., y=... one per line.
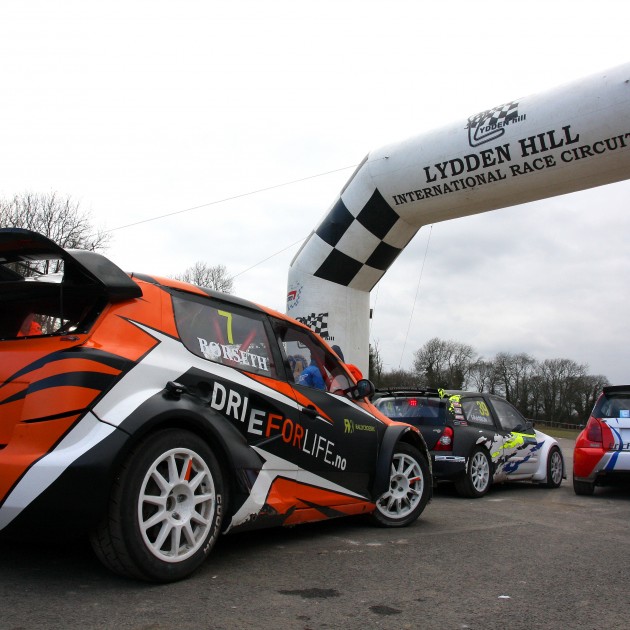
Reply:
x=259, y=422
x=350, y=426
x=293, y=296
x=215, y=351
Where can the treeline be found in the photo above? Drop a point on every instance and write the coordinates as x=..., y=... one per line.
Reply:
x=553, y=390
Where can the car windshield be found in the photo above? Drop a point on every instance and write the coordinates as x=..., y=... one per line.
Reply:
x=419, y=409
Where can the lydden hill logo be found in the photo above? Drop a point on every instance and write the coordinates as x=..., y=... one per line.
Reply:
x=490, y=125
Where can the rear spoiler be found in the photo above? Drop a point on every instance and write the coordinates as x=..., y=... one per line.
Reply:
x=616, y=389
x=81, y=267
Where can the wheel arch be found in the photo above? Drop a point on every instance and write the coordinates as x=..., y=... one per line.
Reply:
x=229, y=446
x=562, y=459
x=485, y=446
x=548, y=444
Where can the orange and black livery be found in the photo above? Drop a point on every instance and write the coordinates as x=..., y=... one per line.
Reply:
x=155, y=415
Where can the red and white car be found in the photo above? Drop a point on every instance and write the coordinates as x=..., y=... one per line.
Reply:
x=602, y=449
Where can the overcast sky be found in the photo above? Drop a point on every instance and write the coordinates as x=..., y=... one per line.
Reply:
x=139, y=109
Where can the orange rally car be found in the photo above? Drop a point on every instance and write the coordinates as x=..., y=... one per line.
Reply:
x=156, y=415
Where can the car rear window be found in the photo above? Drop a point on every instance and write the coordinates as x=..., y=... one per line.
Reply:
x=613, y=406
x=421, y=409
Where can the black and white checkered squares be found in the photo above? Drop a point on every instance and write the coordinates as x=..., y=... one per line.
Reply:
x=317, y=322
x=352, y=249
x=488, y=125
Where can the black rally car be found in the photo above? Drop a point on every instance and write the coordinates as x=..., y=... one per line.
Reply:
x=476, y=439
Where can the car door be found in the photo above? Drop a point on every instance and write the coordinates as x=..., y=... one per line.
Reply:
x=520, y=451
x=338, y=448
x=249, y=394
x=478, y=426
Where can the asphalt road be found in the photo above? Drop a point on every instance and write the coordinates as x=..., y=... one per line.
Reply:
x=521, y=557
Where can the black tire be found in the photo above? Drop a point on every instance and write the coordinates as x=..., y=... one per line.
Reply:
x=583, y=488
x=555, y=468
x=410, y=488
x=162, y=533
x=478, y=476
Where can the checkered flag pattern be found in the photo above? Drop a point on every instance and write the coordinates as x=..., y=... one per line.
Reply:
x=484, y=127
x=502, y=113
x=317, y=322
x=358, y=240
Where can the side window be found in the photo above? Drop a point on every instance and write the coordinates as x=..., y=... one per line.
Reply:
x=309, y=362
x=477, y=411
x=225, y=334
x=509, y=417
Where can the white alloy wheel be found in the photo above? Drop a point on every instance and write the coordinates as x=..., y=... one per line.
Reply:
x=165, y=510
x=406, y=488
x=480, y=472
x=555, y=468
x=477, y=478
x=176, y=505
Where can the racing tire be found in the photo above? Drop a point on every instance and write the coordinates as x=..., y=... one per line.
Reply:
x=410, y=488
x=583, y=488
x=555, y=468
x=478, y=475
x=165, y=509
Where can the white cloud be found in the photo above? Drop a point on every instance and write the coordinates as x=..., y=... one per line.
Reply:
x=140, y=109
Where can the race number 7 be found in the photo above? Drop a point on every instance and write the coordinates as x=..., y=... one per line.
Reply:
x=229, y=325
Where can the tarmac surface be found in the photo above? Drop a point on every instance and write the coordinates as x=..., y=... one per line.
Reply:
x=521, y=557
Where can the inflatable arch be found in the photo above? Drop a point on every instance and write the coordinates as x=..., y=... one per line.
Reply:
x=572, y=138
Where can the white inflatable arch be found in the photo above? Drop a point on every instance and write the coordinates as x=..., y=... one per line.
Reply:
x=572, y=138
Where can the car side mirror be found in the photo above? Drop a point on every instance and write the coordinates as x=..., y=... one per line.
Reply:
x=528, y=427
x=364, y=388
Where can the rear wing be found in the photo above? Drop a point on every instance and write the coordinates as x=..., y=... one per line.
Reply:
x=21, y=249
x=34, y=301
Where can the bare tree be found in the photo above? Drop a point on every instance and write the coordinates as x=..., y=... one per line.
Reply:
x=55, y=216
x=553, y=390
x=375, y=364
x=588, y=389
x=559, y=379
x=444, y=363
x=482, y=377
x=399, y=378
x=203, y=275
x=513, y=373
